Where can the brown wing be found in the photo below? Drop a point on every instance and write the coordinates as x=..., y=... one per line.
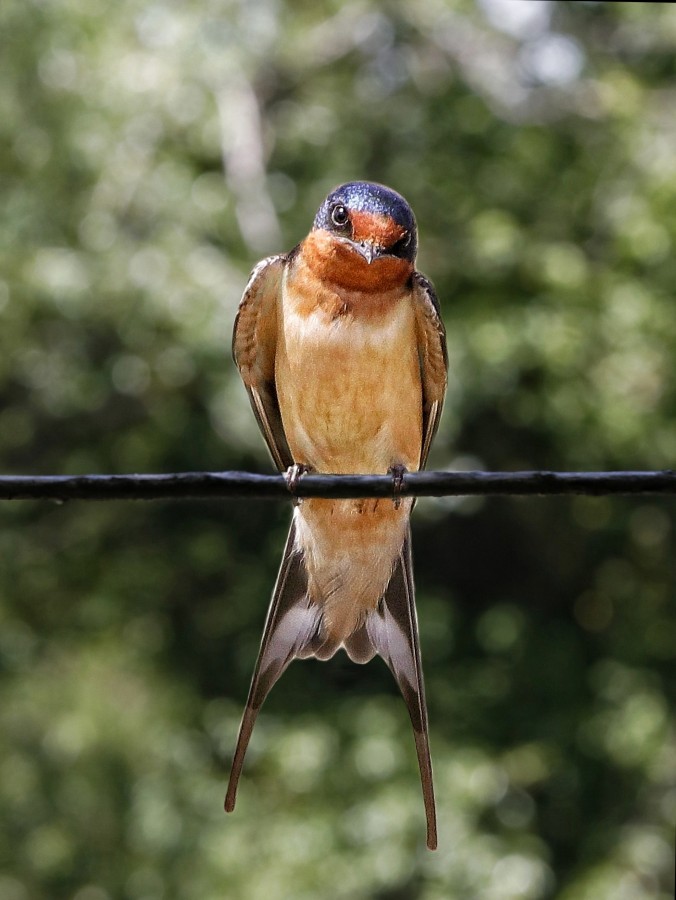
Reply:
x=254, y=343
x=433, y=358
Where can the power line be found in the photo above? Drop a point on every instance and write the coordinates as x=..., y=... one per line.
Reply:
x=222, y=485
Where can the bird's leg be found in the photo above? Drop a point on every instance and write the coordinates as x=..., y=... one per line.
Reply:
x=397, y=472
x=293, y=475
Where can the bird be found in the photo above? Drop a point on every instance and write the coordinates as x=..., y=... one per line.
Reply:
x=342, y=351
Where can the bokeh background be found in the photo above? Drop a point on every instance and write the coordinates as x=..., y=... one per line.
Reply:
x=150, y=154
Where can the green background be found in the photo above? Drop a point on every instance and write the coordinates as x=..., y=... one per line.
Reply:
x=537, y=144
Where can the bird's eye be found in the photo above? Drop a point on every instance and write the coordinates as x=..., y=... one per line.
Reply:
x=339, y=215
x=405, y=241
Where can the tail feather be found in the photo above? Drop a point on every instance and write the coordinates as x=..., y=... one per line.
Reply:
x=293, y=629
x=291, y=625
x=393, y=631
x=359, y=646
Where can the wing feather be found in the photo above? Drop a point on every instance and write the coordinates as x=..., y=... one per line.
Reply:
x=254, y=344
x=433, y=358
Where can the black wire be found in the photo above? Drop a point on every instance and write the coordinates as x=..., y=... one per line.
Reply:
x=219, y=485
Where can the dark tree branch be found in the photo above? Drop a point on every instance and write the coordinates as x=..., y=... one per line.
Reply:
x=219, y=485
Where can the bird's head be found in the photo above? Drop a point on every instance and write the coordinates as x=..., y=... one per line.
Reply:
x=365, y=236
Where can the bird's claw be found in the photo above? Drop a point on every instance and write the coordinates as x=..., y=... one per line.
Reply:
x=397, y=472
x=293, y=475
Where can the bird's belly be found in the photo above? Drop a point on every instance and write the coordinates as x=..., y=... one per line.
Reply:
x=350, y=548
x=350, y=394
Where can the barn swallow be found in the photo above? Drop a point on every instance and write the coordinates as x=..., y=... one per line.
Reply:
x=342, y=351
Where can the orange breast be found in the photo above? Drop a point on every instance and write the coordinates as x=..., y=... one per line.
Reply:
x=333, y=262
x=348, y=377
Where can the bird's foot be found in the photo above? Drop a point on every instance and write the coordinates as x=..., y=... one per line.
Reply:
x=293, y=475
x=397, y=472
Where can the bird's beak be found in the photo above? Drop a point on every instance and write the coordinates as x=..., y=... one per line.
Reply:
x=368, y=249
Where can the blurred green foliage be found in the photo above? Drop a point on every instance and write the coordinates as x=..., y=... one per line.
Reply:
x=537, y=143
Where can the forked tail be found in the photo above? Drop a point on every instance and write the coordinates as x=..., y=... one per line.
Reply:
x=293, y=629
